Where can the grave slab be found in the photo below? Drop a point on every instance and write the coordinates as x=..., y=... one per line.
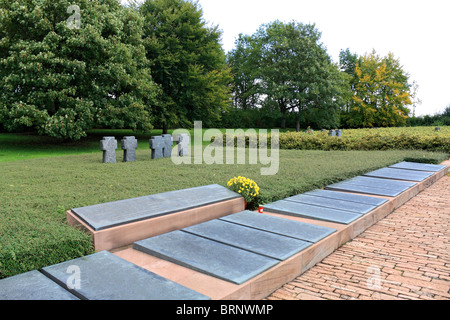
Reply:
x=257, y=241
x=310, y=211
x=375, y=186
x=105, y=276
x=382, y=183
x=349, y=197
x=418, y=166
x=295, y=229
x=32, y=285
x=400, y=174
x=108, y=215
x=360, y=208
x=206, y=256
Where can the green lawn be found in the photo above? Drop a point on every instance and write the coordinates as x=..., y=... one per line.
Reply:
x=36, y=192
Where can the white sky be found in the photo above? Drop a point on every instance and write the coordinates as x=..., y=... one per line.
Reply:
x=416, y=32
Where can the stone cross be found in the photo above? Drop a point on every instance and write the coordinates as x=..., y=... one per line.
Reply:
x=109, y=146
x=332, y=133
x=183, y=140
x=129, y=146
x=167, y=147
x=339, y=133
x=157, y=145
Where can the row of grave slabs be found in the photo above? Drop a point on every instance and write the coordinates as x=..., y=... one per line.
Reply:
x=200, y=243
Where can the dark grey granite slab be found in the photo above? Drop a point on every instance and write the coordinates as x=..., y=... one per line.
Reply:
x=258, y=241
x=348, y=187
x=418, y=166
x=382, y=183
x=350, y=197
x=312, y=212
x=210, y=257
x=375, y=186
x=360, y=208
x=105, y=276
x=400, y=174
x=111, y=214
x=286, y=227
x=32, y=285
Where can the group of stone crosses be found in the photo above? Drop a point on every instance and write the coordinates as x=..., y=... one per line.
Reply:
x=161, y=147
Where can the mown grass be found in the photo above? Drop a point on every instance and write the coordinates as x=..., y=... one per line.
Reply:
x=35, y=193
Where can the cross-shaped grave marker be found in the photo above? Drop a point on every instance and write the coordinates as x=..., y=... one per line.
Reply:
x=109, y=146
x=156, y=144
x=168, y=143
x=129, y=146
x=183, y=140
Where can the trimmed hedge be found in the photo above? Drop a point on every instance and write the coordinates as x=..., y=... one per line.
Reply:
x=423, y=138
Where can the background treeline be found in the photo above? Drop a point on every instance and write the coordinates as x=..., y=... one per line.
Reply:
x=66, y=69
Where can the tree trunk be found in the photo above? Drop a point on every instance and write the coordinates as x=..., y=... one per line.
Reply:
x=297, y=126
x=283, y=120
x=165, y=128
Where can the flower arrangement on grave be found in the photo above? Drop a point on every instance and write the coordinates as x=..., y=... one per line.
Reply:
x=247, y=188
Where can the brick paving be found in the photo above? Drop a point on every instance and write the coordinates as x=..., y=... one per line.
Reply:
x=405, y=256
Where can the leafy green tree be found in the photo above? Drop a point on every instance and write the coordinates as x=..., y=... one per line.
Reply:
x=188, y=62
x=65, y=69
x=289, y=67
x=243, y=60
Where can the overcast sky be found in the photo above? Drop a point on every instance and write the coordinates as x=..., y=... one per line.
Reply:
x=416, y=32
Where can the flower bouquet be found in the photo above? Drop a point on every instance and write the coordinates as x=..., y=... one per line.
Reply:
x=247, y=188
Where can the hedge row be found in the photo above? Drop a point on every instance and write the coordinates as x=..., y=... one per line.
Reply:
x=367, y=140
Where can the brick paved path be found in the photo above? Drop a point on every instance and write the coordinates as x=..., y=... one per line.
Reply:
x=404, y=256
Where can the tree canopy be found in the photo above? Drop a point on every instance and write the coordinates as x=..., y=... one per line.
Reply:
x=60, y=78
x=188, y=63
x=381, y=92
x=287, y=66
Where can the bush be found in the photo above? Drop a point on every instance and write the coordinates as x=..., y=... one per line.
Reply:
x=419, y=138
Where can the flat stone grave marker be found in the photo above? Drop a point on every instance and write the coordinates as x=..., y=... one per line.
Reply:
x=109, y=146
x=310, y=211
x=286, y=227
x=400, y=174
x=111, y=214
x=258, y=241
x=375, y=186
x=418, y=166
x=360, y=208
x=105, y=276
x=206, y=256
x=32, y=285
x=349, y=197
x=129, y=146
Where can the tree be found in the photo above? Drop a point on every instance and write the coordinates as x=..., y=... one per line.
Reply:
x=242, y=61
x=65, y=69
x=188, y=63
x=381, y=93
x=289, y=68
